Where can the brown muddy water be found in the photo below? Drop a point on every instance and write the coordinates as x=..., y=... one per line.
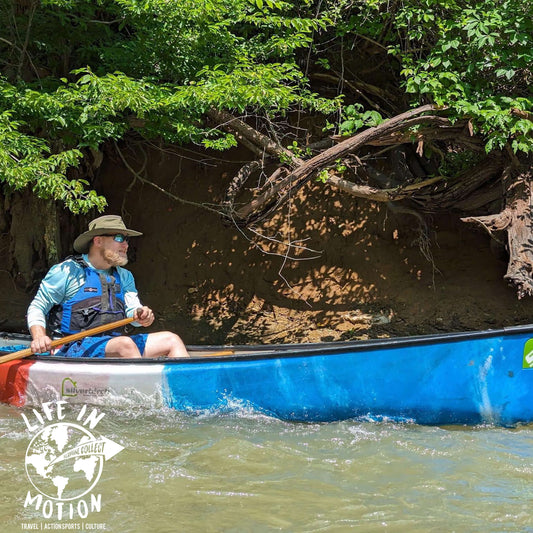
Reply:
x=244, y=472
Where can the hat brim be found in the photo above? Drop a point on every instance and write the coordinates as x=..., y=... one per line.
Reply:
x=81, y=244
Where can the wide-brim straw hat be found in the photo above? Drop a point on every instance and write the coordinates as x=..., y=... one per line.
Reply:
x=106, y=225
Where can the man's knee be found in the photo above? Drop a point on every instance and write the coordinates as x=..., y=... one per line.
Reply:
x=165, y=343
x=176, y=346
x=122, y=347
x=171, y=338
x=164, y=338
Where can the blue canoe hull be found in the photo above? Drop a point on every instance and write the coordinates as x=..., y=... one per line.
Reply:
x=467, y=379
x=462, y=378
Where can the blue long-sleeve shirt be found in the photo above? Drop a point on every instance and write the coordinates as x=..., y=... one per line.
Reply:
x=63, y=281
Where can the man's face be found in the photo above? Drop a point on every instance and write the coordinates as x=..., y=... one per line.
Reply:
x=114, y=252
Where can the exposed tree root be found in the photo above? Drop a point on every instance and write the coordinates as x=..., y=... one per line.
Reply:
x=516, y=220
x=471, y=191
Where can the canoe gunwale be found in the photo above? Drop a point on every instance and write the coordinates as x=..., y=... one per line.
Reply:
x=275, y=351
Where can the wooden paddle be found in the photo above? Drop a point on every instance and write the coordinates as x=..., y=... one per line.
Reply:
x=218, y=354
x=69, y=338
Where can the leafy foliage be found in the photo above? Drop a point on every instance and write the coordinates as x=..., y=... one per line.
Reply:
x=473, y=57
x=25, y=160
x=77, y=73
x=354, y=117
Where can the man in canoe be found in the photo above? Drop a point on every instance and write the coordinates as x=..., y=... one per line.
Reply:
x=92, y=289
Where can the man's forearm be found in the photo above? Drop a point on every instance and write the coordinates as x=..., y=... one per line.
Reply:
x=37, y=332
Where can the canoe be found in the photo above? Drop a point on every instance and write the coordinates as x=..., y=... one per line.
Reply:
x=483, y=377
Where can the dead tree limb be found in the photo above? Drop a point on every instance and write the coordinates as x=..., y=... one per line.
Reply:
x=449, y=193
x=432, y=195
x=302, y=171
x=251, y=138
x=379, y=195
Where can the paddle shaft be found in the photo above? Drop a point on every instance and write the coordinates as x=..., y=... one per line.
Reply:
x=218, y=354
x=69, y=338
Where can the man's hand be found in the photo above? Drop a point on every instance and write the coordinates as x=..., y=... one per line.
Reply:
x=144, y=316
x=41, y=342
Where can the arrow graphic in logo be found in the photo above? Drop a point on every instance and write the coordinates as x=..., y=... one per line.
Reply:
x=101, y=447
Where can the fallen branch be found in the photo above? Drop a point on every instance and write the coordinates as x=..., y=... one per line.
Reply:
x=379, y=195
x=306, y=169
x=251, y=138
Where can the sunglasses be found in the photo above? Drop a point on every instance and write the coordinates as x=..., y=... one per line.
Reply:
x=118, y=237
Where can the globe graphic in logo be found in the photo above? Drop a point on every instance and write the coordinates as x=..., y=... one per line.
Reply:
x=62, y=461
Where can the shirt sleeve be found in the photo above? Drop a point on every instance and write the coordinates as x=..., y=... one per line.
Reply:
x=59, y=284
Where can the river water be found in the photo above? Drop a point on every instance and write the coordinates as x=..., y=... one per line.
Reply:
x=244, y=472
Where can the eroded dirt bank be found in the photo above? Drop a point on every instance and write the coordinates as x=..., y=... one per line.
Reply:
x=355, y=269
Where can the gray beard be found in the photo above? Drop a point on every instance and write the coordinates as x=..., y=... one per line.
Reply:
x=115, y=259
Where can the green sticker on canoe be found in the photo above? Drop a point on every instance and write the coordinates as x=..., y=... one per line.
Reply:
x=68, y=388
x=528, y=354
